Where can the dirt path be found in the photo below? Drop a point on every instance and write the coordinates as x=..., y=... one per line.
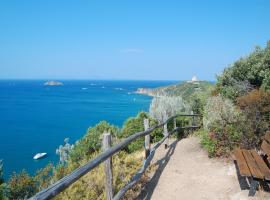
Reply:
x=184, y=171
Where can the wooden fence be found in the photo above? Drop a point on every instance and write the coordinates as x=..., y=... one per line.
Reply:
x=106, y=157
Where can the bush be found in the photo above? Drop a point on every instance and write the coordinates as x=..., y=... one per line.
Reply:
x=224, y=125
x=163, y=107
x=2, y=184
x=246, y=74
x=208, y=142
x=21, y=186
x=92, y=140
x=43, y=176
x=256, y=107
x=136, y=124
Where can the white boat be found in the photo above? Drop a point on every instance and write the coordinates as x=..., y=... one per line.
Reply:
x=39, y=155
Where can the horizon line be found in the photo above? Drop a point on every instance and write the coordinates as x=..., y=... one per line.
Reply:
x=85, y=79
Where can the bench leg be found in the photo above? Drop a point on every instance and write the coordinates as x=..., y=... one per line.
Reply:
x=253, y=187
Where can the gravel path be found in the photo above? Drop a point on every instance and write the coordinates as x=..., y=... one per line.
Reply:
x=184, y=171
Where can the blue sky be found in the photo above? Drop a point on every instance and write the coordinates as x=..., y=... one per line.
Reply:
x=139, y=39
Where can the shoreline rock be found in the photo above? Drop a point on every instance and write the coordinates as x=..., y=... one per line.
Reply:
x=145, y=91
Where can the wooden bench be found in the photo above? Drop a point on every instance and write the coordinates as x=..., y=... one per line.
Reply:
x=253, y=166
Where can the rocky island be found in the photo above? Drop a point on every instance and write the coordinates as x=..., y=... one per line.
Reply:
x=53, y=83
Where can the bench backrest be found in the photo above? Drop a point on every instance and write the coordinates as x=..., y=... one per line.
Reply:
x=266, y=144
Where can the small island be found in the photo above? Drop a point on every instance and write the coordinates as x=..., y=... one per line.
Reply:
x=53, y=83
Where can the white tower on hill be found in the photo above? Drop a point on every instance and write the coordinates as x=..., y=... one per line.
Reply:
x=194, y=79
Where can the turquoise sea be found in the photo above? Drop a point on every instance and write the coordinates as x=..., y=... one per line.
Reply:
x=36, y=118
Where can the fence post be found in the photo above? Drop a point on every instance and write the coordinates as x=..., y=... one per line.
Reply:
x=107, y=140
x=192, y=122
x=174, y=123
x=147, y=138
x=165, y=133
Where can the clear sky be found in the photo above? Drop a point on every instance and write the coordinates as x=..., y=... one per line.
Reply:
x=128, y=39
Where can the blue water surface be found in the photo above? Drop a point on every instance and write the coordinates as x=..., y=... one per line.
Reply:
x=36, y=118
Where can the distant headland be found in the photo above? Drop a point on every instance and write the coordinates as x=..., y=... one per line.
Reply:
x=185, y=89
x=53, y=83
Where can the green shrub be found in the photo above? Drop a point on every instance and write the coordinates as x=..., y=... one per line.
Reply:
x=21, y=185
x=246, y=74
x=208, y=142
x=136, y=124
x=43, y=176
x=224, y=125
x=92, y=141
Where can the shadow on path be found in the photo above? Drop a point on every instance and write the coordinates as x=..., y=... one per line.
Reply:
x=148, y=190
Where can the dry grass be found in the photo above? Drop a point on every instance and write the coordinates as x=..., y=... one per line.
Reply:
x=91, y=186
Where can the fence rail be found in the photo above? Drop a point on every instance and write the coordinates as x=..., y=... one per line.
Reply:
x=65, y=182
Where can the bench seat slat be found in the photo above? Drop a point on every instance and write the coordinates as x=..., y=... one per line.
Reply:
x=252, y=165
x=261, y=164
x=241, y=162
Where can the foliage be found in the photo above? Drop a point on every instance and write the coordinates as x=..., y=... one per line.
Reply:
x=136, y=124
x=198, y=100
x=246, y=74
x=91, y=186
x=1, y=172
x=163, y=107
x=184, y=89
x=91, y=142
x=64, y=151
x=59, y=171
x=4, y=192
x=209, y=142
x=21, y=186
x=43, y=176
x=2, y=184
x=256, y=107
x=224, y=125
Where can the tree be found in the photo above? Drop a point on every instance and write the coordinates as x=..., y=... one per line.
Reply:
x=164, y=107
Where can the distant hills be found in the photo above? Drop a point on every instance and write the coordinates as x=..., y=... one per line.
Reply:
x=185, y=89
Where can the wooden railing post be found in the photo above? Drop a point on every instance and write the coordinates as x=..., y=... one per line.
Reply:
x=107, y=140
x=147, y=138
x=174, y=123
x=165, y=133
x=192, y=122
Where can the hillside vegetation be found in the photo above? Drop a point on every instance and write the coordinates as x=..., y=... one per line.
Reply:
x=184, y=89
x=238, y=112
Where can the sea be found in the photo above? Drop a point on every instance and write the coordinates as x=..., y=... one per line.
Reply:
x=36, y=118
